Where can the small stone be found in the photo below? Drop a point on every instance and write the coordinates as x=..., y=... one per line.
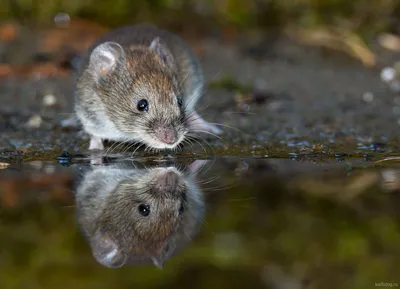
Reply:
x=388, y=74
x=34, y=122
x=368, y=97
x=49, y=100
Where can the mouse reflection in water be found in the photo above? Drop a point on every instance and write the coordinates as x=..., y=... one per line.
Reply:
x=134, y=216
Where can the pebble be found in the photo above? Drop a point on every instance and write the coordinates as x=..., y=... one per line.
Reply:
x=388, y=74
x=49, y=100
x=34, y=122
x=368, y=97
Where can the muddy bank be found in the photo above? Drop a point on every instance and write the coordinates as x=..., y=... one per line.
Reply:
x=272, y=98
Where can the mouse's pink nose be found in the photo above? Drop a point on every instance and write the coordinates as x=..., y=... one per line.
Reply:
x=166, y=134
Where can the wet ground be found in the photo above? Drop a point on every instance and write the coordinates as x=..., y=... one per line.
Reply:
x=294, y=195
x=271, y=96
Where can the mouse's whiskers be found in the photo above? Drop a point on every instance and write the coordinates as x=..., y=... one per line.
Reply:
x=202, y=91
x=85, y=144
x=219, y=188
x=196, y=137
x=193, y=138
x=186, y=140
x=207, y=181
x=130, y=144
x=115, y=145
x=228, y=126
x=210, y=133
x=136, y=150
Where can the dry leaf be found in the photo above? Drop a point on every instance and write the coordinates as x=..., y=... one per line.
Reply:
x=336, y=39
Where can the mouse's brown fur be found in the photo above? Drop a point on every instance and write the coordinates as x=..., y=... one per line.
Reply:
x=137, y=63
x=108, y=200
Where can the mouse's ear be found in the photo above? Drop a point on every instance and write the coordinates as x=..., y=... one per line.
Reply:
x=104, y=58
x=163, y=52
x=106, y=252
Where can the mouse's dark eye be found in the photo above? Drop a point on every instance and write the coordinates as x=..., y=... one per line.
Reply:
x=143, y=105
x=181, y=210
x=144, y=210
x=180, y=101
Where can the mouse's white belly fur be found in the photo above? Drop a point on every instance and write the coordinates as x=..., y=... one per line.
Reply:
x=102, y=127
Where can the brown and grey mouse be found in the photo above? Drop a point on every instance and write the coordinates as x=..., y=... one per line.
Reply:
x=138, y=216
x=140, y=84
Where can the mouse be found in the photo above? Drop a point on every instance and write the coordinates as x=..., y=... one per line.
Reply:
x=140, y=84
x=138, y=216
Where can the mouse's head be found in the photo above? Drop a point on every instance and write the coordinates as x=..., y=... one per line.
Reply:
x=140, y=92
x=134, y=216
x=140, y=217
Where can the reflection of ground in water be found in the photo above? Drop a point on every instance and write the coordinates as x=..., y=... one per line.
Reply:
x=268, y=222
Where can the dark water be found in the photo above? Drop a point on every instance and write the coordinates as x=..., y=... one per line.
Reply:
x=182, y=223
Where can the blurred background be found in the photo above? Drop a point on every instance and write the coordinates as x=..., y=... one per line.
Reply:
x=367, y=18
x=345, y=25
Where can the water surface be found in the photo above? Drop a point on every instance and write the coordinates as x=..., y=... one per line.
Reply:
x=258, y=223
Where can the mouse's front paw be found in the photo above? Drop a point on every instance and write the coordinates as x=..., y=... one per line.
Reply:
x=213, y=128
x=96, y=143
x=198, y=124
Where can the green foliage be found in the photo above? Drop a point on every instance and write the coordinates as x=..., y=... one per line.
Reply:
x=365, y=16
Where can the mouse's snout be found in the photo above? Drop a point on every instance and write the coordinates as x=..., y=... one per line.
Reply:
x=171, y=180
x=167, y=182
x=167, y=135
